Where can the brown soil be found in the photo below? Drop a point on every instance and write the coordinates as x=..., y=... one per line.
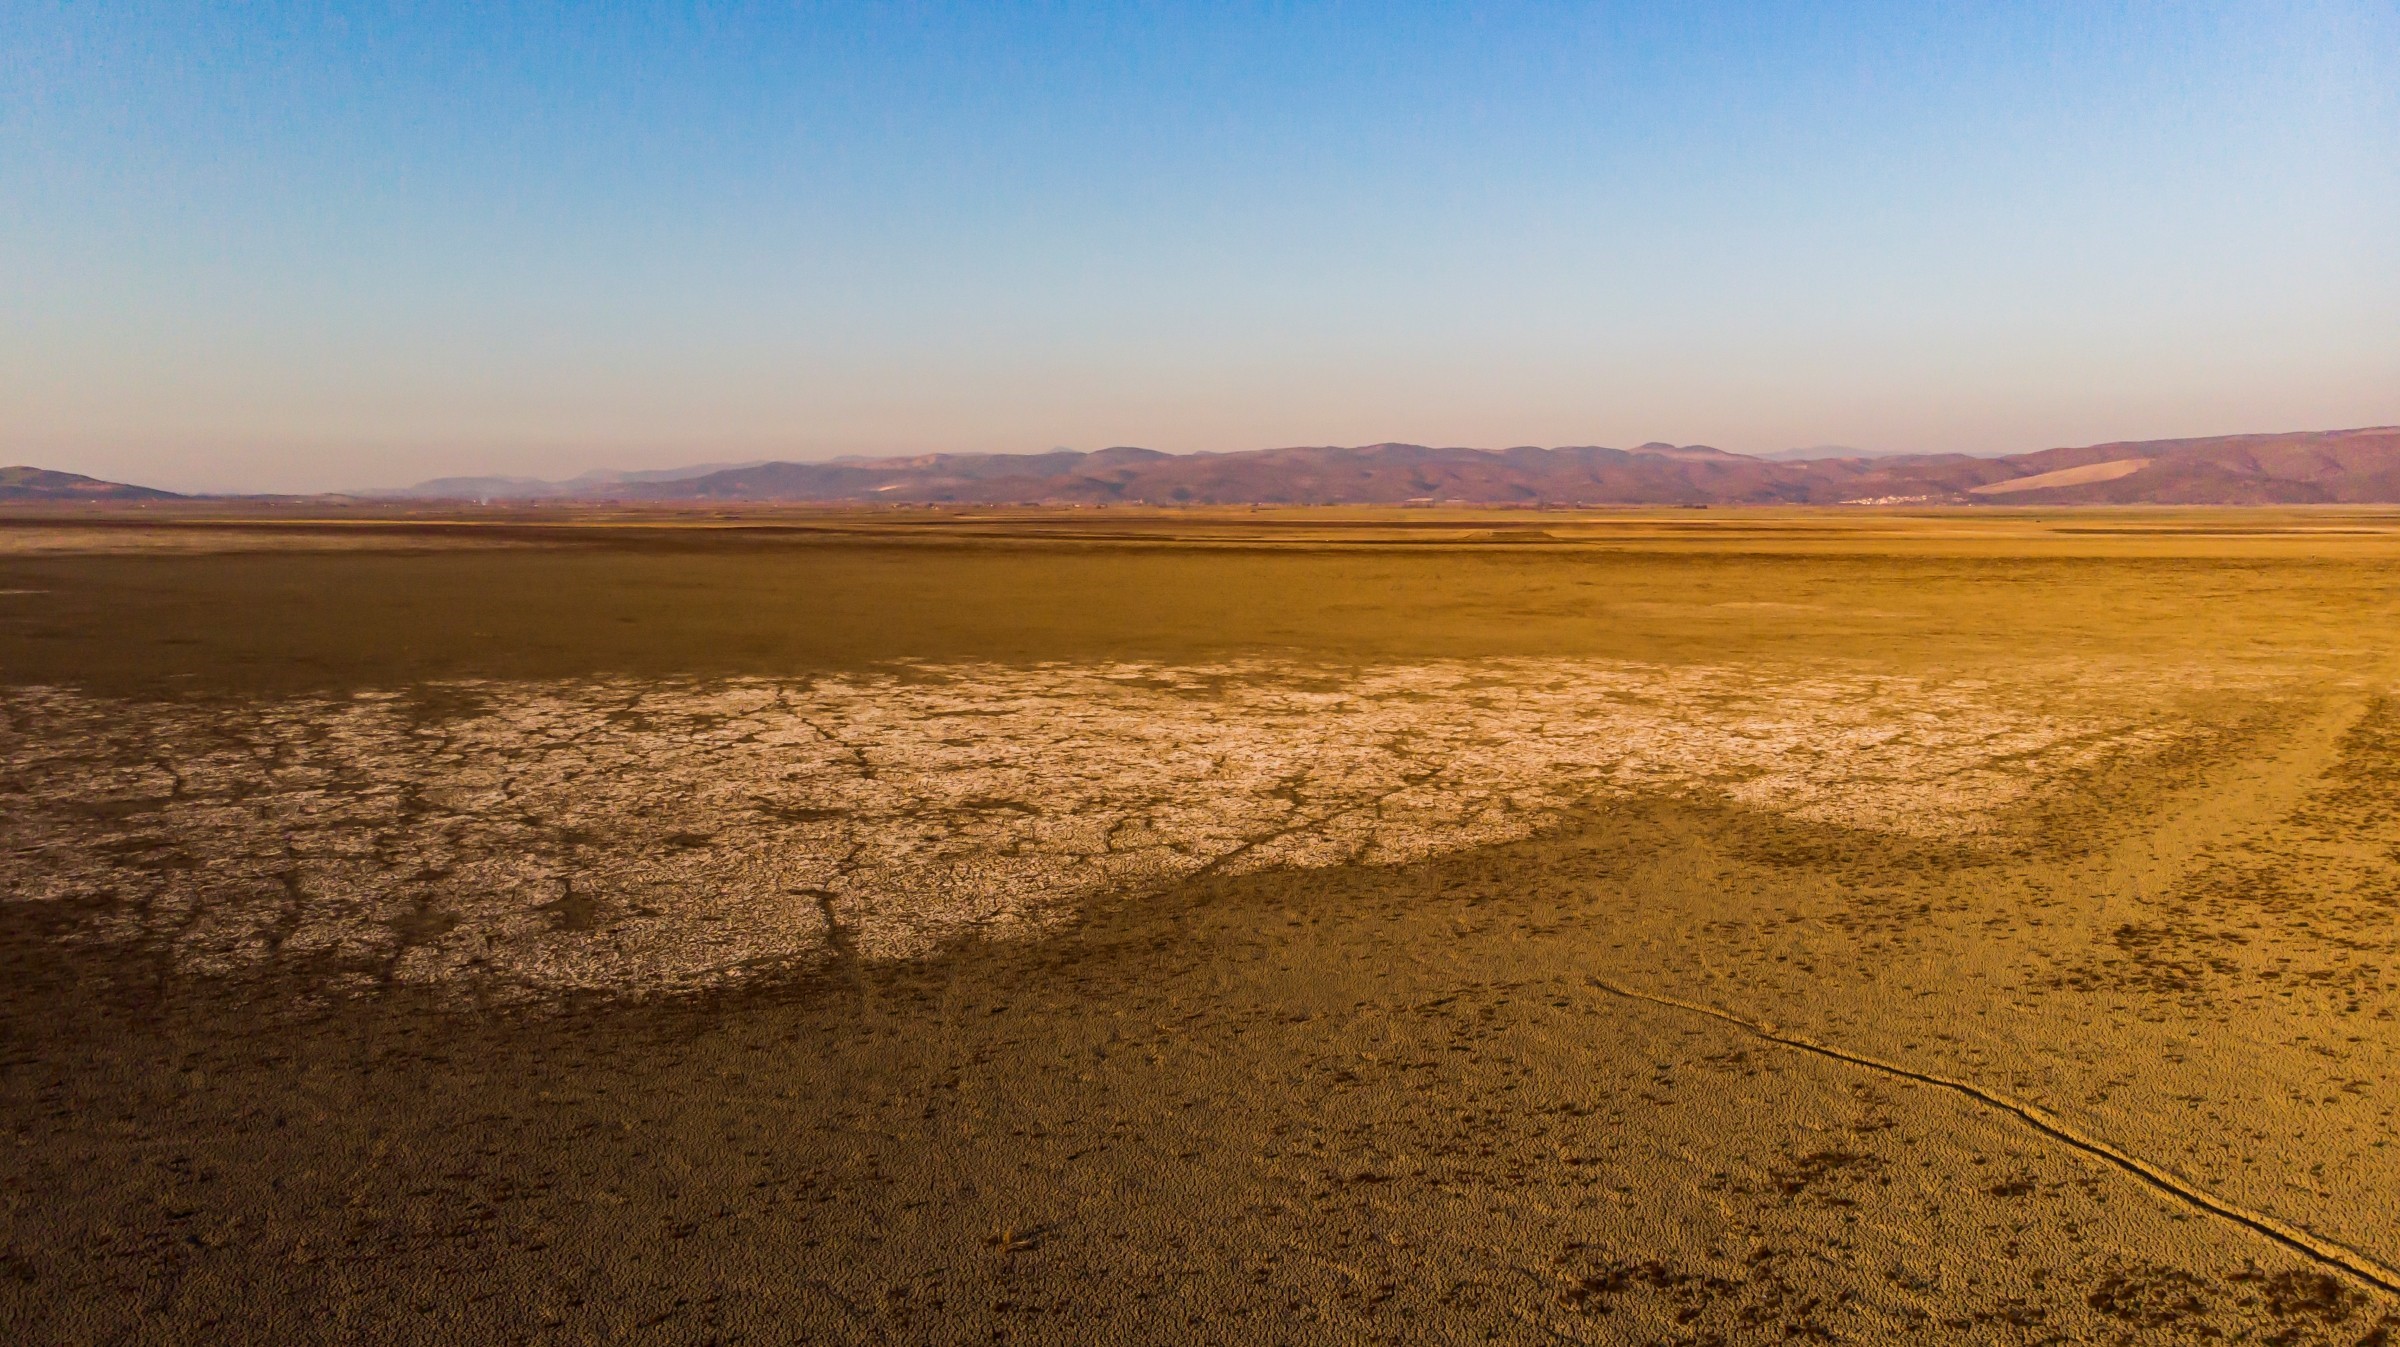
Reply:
x=1973, y=931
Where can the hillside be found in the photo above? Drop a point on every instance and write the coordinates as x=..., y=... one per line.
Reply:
x=31, y=484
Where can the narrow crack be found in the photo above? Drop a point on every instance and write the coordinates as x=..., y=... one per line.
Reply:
x=1371, y=804
x=838, y=937
x=2316, y=1248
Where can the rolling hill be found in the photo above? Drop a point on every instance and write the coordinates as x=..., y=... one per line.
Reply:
x=2331, y=467
x=32, y=484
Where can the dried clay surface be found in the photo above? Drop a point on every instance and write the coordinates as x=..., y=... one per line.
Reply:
x=1742, y=927
x=522, y=837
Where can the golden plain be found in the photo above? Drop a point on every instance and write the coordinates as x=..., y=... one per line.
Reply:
x=1203, y=926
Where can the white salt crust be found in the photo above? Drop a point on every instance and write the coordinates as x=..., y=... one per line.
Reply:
x=519, y=839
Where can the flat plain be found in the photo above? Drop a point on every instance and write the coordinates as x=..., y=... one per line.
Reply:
x=1112, y=925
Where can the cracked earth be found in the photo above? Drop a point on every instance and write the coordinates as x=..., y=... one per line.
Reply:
x=600, y=834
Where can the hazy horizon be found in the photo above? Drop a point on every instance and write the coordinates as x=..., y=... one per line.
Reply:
x=302, y=249
x=679, y=470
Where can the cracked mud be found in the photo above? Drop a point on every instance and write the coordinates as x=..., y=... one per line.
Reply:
x=629, y=836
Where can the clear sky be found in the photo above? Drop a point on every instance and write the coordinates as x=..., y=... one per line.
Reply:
x=321, y=246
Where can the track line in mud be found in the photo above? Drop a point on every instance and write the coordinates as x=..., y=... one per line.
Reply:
x=2257, y=790
x=2317, y=1249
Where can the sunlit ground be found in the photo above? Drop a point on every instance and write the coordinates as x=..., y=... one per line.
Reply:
x=1318, y=925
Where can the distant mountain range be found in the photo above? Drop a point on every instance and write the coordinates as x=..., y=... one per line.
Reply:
x=2310, y=467
x=2297, y=468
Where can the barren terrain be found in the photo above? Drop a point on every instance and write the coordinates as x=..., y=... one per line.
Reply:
x=1300, y=926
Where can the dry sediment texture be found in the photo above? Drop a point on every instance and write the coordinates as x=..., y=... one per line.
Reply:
x=1862, y=1003
x=69, y=540
x=631, y=836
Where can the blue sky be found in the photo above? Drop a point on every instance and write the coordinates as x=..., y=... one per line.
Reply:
x=327, y=246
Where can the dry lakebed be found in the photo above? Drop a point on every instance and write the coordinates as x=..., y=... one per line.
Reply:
x=1208, y=926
